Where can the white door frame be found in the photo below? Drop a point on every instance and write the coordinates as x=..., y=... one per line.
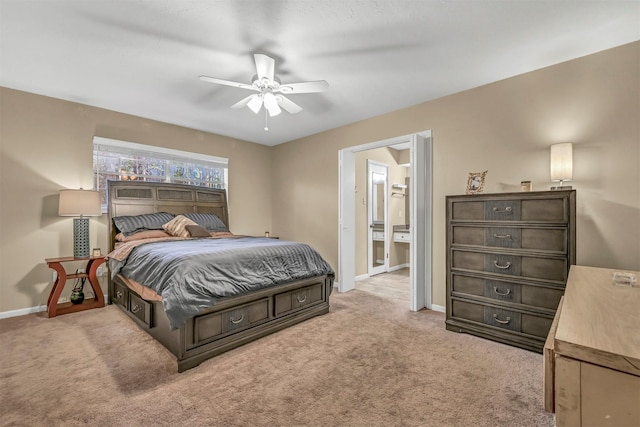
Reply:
x=420, y=218
x=372, y=166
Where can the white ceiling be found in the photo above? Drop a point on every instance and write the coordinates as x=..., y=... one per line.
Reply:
x=143, y=57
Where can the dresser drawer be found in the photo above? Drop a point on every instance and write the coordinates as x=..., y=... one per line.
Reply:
x=401, y=237
x=546, y=209
x=511, y=320
x=288, y=302
x=553, y=239
x=245, y=316
x=211, y=326
x=502, y=290
x=378, y=235
x=140, y=308
x=516, y=265
x=120, y=295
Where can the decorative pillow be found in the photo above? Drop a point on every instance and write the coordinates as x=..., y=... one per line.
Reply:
x=197, y=231
x=207, y=220
x=145, y=234
x=128, y=225
x=178, y=226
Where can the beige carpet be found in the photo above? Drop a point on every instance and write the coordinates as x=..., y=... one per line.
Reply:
x=369, y=362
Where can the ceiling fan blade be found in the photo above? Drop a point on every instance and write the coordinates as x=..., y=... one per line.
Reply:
x=288, y=105
x=304, y=87
x=265, y=66
x=227, y=83
x=243, y=102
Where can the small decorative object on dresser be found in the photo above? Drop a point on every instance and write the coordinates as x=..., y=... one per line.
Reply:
x=475, y=182
x=508, y=257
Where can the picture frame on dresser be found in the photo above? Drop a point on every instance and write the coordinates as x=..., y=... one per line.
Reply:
x=475, y=182
x=508, y=259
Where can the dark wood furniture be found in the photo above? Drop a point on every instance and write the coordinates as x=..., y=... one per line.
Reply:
x=92, y=263
x=232, y=321
x=508, y=258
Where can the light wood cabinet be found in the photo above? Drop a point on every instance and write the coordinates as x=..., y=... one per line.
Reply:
x=592, y=358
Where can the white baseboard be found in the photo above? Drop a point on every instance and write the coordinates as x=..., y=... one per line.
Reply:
x=31, y=310
x=439, y=308
x=361, y=277
x=22, y=311
x=398, y=267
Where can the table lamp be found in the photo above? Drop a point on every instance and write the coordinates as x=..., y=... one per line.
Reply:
x=81, y=204
x=561, y=164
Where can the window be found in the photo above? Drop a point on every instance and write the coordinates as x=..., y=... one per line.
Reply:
x=122, y=160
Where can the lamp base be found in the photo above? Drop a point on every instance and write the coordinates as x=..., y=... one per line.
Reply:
x=561, y=187
x=81, y=237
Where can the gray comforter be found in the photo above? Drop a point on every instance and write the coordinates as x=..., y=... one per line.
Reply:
x=191, y=275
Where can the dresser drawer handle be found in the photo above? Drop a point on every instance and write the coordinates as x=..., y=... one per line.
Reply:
x=135, y=308
x=504, y=267
x=236, y=321
x=502, y=236
x=118, y=294
x=504, y=322
x=508, y=209
x=495, y=289
x=303, y=299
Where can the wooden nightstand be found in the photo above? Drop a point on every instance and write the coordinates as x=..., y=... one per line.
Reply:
x=53, y=308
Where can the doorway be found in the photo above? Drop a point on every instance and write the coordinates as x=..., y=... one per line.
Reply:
x=419, y=226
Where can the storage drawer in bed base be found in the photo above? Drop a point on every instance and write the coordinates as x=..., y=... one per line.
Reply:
x=136, y=307
x=232, y=322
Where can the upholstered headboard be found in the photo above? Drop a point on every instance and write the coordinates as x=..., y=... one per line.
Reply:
x=136, y=198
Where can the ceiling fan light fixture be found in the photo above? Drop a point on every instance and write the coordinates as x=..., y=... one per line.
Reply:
x=271, y=104
x=268, y=88
x=255, y=104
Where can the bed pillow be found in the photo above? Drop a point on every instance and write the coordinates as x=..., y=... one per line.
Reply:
x=197, y=231
x=129, y=225
x=178, y=226
x=145, y=234
x=207, y=220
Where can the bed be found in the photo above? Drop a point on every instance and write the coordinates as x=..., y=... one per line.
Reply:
x=213, y=316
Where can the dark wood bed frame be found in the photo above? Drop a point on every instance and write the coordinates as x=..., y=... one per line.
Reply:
x=232, y=321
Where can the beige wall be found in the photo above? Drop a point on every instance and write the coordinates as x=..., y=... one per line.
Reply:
x=505, y=128
x=398, y=252
x=47, y=145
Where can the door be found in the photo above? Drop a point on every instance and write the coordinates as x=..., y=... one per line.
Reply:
x=377, y=207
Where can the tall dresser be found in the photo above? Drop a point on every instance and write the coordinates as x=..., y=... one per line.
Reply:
x=508, y=259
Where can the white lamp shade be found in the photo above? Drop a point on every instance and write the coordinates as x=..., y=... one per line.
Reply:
x=255, y=104
x=79, y=203
x=562, y=162
x=271, y=104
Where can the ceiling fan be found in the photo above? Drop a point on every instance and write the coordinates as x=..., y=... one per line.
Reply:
x=270, y=90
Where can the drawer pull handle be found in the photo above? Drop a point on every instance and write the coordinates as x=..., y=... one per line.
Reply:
x=502, y=236
x=504, y=267
x=508, y=209
x=303, y=299
x=495, y=289
x=135, y=308
x=118, y=294
x=236, y=321
x=504, y=322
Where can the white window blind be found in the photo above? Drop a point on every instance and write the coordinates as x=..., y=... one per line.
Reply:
x=129, y=161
